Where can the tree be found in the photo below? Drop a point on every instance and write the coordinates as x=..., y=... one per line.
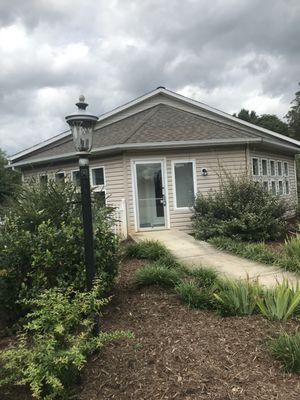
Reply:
x=267, y=121
x=273, y=123
x=293, y=117
x=246, y=115
x=9, y=180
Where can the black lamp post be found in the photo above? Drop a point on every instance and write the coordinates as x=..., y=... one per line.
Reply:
x=82, y=127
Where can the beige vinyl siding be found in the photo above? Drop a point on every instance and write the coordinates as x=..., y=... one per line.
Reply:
x=292, y=198
x=218, y=163
x=113, y=170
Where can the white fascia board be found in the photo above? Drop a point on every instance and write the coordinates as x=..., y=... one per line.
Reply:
x=142, y=146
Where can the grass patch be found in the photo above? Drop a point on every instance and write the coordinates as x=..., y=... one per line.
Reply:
x=148, y=250
x=286, y=349
x=194, y=296
x=156, y=274
x=292, y=247
x=204, y=277
x=259, y=252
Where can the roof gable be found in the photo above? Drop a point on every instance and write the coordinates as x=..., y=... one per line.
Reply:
x=158, y=116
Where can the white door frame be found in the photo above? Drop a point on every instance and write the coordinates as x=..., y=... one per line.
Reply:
x=143, y=160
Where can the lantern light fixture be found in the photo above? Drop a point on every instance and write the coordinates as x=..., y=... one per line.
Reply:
x=82, y=127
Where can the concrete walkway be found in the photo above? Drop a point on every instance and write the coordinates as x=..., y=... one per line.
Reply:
x=194, y=252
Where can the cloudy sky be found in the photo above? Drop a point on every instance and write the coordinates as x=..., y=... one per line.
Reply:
x=226, y=53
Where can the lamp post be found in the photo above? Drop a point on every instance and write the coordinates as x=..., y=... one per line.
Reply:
x=82, y=127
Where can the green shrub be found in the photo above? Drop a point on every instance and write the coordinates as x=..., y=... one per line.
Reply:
x=280, y=302
x=55, y=341
x=194, y=296
x=241, y=209
x=157, y=274
x=292, y=246
x=148, y=250
x=38, y=253
x=203, y=276
x=237, y=297
x=286, y=349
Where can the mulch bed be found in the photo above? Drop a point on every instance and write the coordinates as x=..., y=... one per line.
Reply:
x=180, y=353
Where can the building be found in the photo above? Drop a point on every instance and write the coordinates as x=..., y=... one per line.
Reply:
x=152, y=155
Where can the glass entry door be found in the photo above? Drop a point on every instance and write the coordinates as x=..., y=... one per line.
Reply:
x=150, y=197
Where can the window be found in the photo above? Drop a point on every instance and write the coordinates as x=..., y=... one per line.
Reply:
x=100, y=197
x=76, y=178
x=97, y=176
x=43, y=180
x=287, y=187
x=279, y=168
x=273, y=187
x=255, y=166
x=286, y=168
x=272, y=168
x=266, y=185
x=280, y=187
x=184, y=184
x=264, y=167
x=59, y=177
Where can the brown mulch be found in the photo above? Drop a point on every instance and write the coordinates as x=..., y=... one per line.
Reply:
x=180, y=353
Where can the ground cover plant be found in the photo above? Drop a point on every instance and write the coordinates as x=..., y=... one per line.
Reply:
x=242, y=209
x=286, y=348
x=54, y=342
x=260, y=252
x=147, y=249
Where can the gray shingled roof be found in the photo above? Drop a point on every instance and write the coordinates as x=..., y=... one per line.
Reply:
x=161, y=123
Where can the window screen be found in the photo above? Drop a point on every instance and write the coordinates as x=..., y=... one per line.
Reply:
x=100, y=198
x=273, y=187
x=184, y=184
x=264, y=167
x=280, y=187
x=59, y=177
x=255, y=166
x=279, y=168
x=266, y=185
x=43, y=180
x=76, y=178
x=287, y=187
x=272, y=168
x=97, y=176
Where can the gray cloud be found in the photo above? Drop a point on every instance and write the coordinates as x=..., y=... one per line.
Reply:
x=227, y=53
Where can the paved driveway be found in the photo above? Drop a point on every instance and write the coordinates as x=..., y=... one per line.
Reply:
x=194, y=252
